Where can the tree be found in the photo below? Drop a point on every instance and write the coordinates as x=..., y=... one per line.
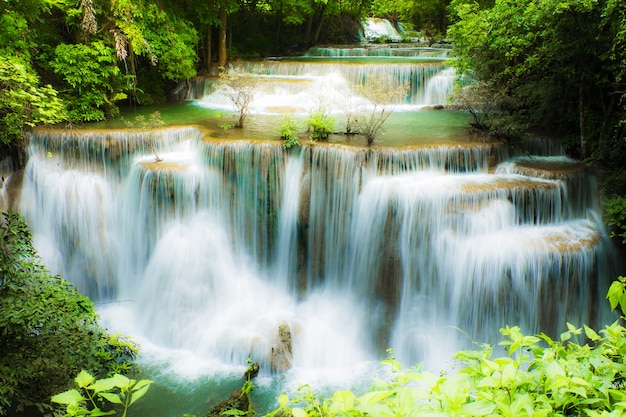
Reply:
x=528, y=50
x=93, y=80
x=239, y=87
x=23, y=104
x=48, y=331
x=381, y=96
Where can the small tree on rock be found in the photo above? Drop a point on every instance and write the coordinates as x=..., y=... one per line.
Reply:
x=382, y=97
x=239, y=87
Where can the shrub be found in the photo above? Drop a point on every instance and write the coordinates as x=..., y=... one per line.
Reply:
x=320, y=124
x=289, y=132
x=48, y=331
x=581, y=374
x=615, y=217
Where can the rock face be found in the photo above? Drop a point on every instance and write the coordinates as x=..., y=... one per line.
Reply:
x=281, y=356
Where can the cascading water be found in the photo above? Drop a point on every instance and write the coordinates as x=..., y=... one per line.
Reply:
x=202, y=248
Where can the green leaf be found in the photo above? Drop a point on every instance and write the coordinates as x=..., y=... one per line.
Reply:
x=298, y=412
x=101, y=385
x=121, y=381
x=374, y=397
x=111, y=397
x=591, y=334
x=68, y=397
x=479, y=408
x=84, y=379
x=139, y=393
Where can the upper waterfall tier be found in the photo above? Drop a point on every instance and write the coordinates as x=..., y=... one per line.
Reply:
x=298, y=86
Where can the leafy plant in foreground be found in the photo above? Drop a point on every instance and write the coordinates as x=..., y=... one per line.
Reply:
x=581, y=374
x=48, y=331
x=93, y=394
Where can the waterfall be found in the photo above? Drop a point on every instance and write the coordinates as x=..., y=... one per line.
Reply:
x=212, y=247
x=298, y=86
x=374, y=28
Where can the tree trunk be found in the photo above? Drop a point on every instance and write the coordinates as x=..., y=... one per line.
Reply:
x=581, y=114
x=223, y=57
x=318, y=29
x=209, y=40
x=307, y=30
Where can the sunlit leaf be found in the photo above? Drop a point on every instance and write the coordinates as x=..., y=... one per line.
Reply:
x=68, y=397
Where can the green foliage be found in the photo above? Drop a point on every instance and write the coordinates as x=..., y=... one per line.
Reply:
x=537, y=377
x=48, y=331
x=617, y=294
x=172, y=40
x=553, y=77
x=615, y=217
x=289, y=132
x=154, y=121
x=91, y=395
x=92, y=78
x=320, y=124
x=23, y=102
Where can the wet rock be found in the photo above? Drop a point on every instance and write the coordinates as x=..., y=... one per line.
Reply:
x=281, y=356
x=238, y=400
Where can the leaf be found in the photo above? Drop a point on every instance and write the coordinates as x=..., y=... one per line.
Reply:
x=101, y=385
x=375, y=397
x=84, y=379
x=298, y=412
x=139, y=393
x=121, y=381
x=68, y=397
x=591, y=334
x=479, y=408
x=110, y=397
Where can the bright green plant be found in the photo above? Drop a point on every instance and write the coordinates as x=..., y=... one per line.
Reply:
x=581, y=374
x=617, y=294
x=289, y=132
x=116, y=391
x=24, y=103
x=93, y=80
x=615, y=216
x=48, y=331
x=320, y=125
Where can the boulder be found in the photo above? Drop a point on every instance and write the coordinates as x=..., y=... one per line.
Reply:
x=281, y=355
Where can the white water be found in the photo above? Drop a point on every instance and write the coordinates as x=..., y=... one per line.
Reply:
x=294, y=87
x=210, y=250
x=374, y=28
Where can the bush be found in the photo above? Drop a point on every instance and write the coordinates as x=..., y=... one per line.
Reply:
x=289, y=132
x=582, y=374
x=615, y=217
x=93, y=80
x=48, y=331
x=320, y=124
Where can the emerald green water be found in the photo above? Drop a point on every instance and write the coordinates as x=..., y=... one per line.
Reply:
x=403, y=128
